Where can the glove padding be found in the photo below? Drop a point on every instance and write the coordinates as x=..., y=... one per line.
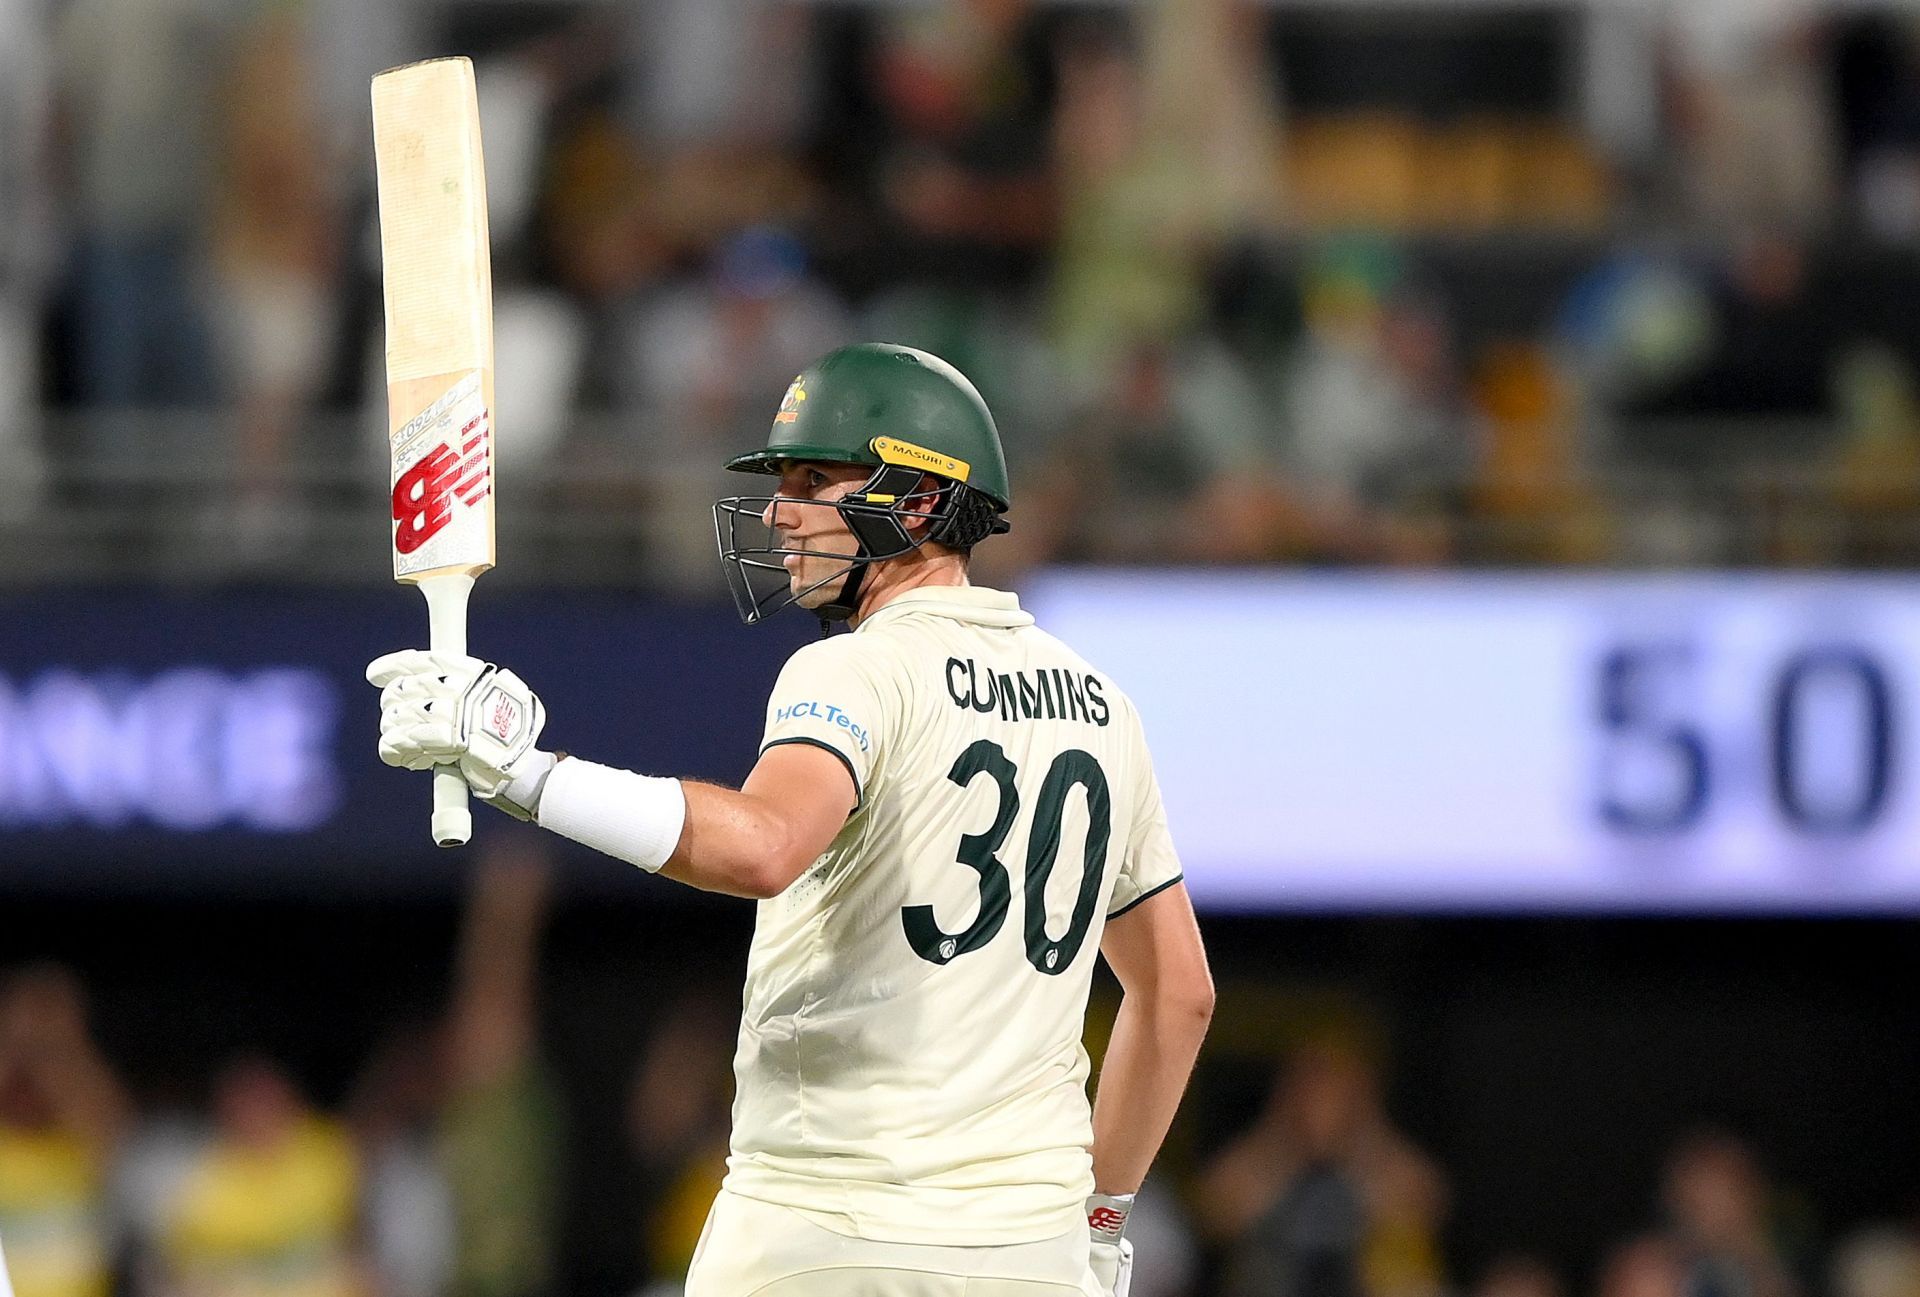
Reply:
x=1109, y=1252
x=441, y=709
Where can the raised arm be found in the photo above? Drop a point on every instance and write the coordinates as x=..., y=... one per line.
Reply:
x=753, y=841
x=439, y=710
x=756, y=841
x=46, y=1044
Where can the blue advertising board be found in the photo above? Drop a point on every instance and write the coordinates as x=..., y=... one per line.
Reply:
x=227, y=737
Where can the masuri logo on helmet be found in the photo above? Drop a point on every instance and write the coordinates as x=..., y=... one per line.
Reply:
x=905, y=452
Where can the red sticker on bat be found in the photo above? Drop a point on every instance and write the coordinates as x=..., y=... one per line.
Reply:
x=423, y=499
x=442, y=472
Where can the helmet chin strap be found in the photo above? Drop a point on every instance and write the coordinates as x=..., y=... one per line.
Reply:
x=846, y=603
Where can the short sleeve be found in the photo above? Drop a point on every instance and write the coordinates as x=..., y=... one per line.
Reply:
x=827, y=696
x=1151, y=864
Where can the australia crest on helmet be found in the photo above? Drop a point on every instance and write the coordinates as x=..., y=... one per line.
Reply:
x=790, y=403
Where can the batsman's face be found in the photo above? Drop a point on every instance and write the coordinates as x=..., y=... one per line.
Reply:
x=801, y=521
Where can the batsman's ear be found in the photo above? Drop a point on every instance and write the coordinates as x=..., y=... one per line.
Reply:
x=915, y=507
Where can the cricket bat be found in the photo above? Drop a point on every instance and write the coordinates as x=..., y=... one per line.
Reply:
x=439, y=298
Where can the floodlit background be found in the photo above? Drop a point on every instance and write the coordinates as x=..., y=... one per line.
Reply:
x=1483, y=435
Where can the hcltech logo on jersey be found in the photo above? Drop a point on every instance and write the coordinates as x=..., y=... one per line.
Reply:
x=1048, y=693
x=824, y=712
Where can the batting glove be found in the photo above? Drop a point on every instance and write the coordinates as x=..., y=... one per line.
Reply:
x=1110, y=1252
x=440, y=709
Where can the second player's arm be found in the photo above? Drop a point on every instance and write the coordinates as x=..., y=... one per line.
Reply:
x=1166, y=1003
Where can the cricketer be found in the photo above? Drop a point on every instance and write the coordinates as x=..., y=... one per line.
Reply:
x=951, y=812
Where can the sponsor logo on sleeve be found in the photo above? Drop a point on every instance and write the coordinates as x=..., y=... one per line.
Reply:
x=826, y=713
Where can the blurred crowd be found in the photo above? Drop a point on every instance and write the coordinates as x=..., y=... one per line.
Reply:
x=455, y=1162
x=1607, y=282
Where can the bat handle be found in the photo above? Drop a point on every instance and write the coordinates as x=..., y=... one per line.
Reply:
x=447, y=633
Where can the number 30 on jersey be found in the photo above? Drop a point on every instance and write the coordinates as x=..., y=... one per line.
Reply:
x=1072, y=768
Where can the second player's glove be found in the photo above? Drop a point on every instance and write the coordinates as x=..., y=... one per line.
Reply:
x=439, y=709
x=1110, y=1252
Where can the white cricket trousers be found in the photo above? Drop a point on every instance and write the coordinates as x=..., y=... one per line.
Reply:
x=758, y=1249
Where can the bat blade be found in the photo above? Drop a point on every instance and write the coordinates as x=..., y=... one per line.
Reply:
x=438, y=281
x=437, y=276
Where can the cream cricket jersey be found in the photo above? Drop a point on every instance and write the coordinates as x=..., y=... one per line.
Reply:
x=909, y=1065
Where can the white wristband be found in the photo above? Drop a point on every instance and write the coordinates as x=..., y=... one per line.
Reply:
x=635, y=818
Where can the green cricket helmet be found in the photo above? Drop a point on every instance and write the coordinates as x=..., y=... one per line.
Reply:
x=907, y=415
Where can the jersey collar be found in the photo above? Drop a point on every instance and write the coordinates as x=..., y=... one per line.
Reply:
x=968, y=603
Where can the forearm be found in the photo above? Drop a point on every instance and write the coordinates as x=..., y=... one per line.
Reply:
x=716, y=839
x=733, y=842
x=1148, y=1061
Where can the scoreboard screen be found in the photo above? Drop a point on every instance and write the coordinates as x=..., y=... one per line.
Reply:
x=1536, y=743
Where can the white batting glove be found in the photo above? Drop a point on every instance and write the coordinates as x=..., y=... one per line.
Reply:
x=1110, y=1252
x=439, y=709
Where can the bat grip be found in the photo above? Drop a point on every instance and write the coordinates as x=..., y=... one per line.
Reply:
x=447, y=633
